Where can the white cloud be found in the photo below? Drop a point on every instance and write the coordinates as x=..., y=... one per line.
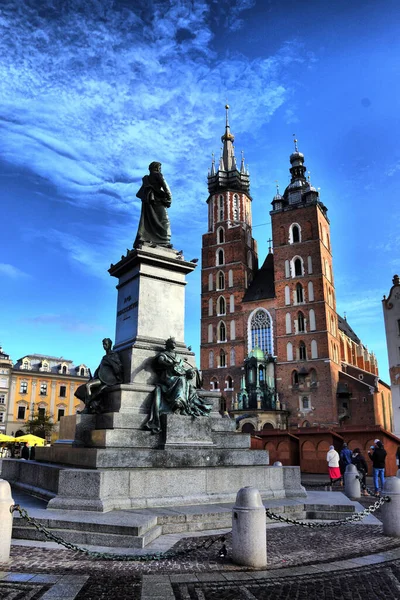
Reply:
x=11, y=271
x=92, y=91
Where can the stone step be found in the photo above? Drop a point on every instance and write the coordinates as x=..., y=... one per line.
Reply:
x=91, y=538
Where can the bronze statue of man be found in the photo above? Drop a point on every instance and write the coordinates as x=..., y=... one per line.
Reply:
x=176, y=389
x=154, y=227
x=107, y=374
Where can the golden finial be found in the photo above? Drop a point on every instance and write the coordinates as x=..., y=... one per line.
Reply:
x=295, y=143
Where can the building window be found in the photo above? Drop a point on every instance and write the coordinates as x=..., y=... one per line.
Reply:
x=310, y=291
x=23, y=388
x=230, y=278
x=298, y=271
x=21, y=412
x=42, y=413
x=235, y=208
x=43, y=389
x=314, y=349
x=309, y=265
x=305, y=401
x=221, y=306
x=302, y=351
x=2, y=398
x=221, y=208
x=300, y=322
x=312, y=320
x=25, y=364
x=295, y=234
x=2, y=417
x=222, y=359
x=261, y=374
x=233, y=330
x=221, y=281
x=222, y=332
x=249, y=260
x=63, y=391
x=288, y=322
x=221, y=237
x=233, y=357
x=313, y=378
x=210, y=307
x=61, y=413
x=214, y=384
x=289, y=351
x=260, y=331
x=287, y=295
x=210, y=282
x=64, y=370
x=299, y=293
x=295, y=378
x=229, y=383
x=287, y=269
x=232, y=304
x=210, y=333
x=211, y=360
x=82, y=372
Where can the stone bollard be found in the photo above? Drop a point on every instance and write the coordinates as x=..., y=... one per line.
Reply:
x=352, y=487
x=391, y=510
x=249, y=534
x=6, y=520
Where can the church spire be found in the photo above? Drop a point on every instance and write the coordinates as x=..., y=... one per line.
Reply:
x=228, y=175
x=228, y=152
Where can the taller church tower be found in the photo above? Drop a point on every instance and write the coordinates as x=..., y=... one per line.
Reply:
x=307, y=342
x=229, y=261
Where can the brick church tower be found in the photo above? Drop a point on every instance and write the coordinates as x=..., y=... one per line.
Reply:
x=307, y=340
x=229, y=261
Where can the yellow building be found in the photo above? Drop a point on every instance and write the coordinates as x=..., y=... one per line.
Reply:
x=42, y=385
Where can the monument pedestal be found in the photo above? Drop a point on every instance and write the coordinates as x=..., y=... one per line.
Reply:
x=113, y=461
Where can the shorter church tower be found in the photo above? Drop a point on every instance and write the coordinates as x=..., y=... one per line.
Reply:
x=229, y=261
x=391, y=313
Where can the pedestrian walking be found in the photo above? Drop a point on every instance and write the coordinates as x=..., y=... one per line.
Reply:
x=344, y=458
x=359, y=461
x=332, y=458
x=378, y=457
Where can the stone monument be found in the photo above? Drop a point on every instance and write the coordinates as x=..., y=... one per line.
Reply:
x=149, y=435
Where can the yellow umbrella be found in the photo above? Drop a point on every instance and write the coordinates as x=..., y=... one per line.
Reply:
x=6, y=438
x=31, y=439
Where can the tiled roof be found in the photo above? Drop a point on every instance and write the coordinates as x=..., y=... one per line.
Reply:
x=263, y=284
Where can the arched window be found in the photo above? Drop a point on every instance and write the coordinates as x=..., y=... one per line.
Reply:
x=221, y=235
x=298, y=270
x=294, y=234
x=309, y=265
x=260, y=331
x=311, y=315
x=232, y=303
x=302, y=351
x=221, y=305
x=295, y=378
x=233, y=357
x=287, y=295
x=288, y=322
x=248, y=428
x=310, y=291
x=289, y=351
x=64, y=370
x=287, y=268
x=299, y=293
x=222, y=359
x=300, y=322
x=220, y=257
x=233, y=330
x=313, y=378
x=235, y=208
x=261, y=373
x=305, y=401
x=214, y=384
x=222, y=332
x=314, y=349
x=221, y=208
x=249, y=260
x=221, y=280
x=210, y=333
x=229, y=383
x=327, y=270
x=82, y=372
x=211, y=359
x=230, y=278
x=210, y=282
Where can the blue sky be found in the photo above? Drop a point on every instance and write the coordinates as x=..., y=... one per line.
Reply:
x=91, y=91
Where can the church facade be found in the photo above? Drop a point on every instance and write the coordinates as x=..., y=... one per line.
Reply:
x=271, y=340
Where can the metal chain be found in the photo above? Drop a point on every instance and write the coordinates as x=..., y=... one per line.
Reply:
x=353, y=519
x=120, y=557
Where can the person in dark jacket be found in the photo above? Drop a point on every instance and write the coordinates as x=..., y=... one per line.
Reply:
x=378, y=457
x=345, y=458
x=359, y=461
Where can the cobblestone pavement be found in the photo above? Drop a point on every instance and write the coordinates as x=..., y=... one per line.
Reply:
x=321, y=564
